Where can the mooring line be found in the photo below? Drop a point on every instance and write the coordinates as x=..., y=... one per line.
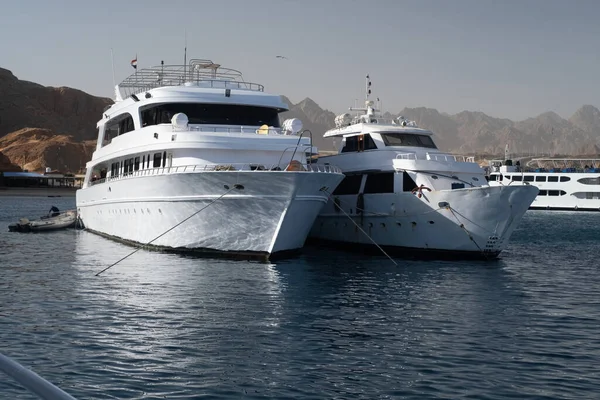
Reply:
x=361, y=229
x=236, y=186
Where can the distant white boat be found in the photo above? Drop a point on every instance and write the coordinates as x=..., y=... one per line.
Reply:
x=564, y=183
x=197, y=139
x=404, y=194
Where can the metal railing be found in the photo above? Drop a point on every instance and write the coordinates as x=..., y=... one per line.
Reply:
x=241, y=129
x=223, y=167
x=202, y=73
x=436, y=157
x=32, y=381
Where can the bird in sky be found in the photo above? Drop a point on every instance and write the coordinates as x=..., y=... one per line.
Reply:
x=282, y=57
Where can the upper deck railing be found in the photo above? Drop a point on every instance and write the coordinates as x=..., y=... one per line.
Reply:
x=435, y=157
x=203, y=73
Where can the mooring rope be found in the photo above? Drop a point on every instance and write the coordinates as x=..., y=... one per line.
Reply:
x=361, y=229
x=236, y=186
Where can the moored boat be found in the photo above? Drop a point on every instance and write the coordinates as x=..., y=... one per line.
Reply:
x=405, y=195
x=193, y=157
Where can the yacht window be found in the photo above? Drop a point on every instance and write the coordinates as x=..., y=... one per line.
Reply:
x=589, y=181
x=349, y=185
x=407, y=139
x=517, y=178
x=553, y=192
x=125, y=166
x=369, y=143
x=528, y=178
x=380, y=183
x=116, y=126
x=543, y=193
x=508, y=177
x=212, y=114
x=156, y=160
x=434, y=176
x=475, y=179
x=565, y=179
x=553, y=179
x=350, y=144
x=408, y=184
x=540, y=178
x=144, y=161
x=456, y=185
x=136, y=164
x=164, y=161
x=492, y=177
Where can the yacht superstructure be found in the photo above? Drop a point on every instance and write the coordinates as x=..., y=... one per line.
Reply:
x=407, y=195
x=197, y=141
x=565, y=184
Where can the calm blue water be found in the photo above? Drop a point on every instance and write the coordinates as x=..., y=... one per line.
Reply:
x=323, y=325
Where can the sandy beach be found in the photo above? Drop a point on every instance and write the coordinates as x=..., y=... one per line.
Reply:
x=37, y=192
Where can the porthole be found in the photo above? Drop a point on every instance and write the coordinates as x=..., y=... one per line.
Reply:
x=434, y=177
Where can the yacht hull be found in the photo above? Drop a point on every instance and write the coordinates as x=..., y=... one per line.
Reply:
x=475, y=222
x=244, y=212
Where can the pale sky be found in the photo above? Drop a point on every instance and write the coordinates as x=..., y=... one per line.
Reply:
x=508, y=58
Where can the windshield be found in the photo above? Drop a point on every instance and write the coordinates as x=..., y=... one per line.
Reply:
x=408, y=139
x=212, y=114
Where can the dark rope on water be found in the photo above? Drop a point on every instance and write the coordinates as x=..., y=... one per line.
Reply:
x=236, y=186
x=361, y=229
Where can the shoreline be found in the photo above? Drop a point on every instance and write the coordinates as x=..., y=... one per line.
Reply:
x=37, y=192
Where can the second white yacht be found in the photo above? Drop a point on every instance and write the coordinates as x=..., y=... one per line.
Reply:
x=193, y=157
x=402, y=193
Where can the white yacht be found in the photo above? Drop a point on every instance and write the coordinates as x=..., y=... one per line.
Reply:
x=198, y=142
x=565, y=184
x=402, y=193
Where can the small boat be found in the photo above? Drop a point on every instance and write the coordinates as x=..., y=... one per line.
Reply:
x=55, y=220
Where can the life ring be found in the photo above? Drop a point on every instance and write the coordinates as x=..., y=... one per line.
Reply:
x=419, y=190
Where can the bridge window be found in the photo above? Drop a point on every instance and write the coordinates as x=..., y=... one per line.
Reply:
x=407, y=139
x=349, y=185
x=118, y=125
x=380, y=183
x=212, y=114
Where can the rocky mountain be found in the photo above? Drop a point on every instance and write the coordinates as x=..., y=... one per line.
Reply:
x=26, y=104
x=55, y=127
x=34, y=149
x=6, y=165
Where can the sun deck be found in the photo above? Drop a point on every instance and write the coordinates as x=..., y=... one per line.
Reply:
x=200, y=73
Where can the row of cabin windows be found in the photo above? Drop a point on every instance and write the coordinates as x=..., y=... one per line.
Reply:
x=552, y=193
x=136, y=163
x=382, y=182
x=532, y=178
x=539, y=178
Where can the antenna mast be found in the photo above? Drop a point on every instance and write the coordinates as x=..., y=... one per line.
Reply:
x=368, y=88
x=185, y=58
x=112, y=60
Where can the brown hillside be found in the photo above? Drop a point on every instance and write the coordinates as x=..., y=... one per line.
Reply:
x=6, y=165
x=35, y=149
x=26, y=104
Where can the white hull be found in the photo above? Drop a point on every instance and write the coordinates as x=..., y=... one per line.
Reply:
x=405, y=221
x=271, y=212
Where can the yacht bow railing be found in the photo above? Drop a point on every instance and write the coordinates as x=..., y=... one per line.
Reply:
x=224, y=167
x=436, y=157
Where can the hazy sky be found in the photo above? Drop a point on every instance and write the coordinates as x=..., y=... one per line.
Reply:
x=507, y=58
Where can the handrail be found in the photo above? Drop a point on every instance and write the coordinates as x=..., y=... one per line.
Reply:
x=436, y=157
x=223, y=167
x=32, y=381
